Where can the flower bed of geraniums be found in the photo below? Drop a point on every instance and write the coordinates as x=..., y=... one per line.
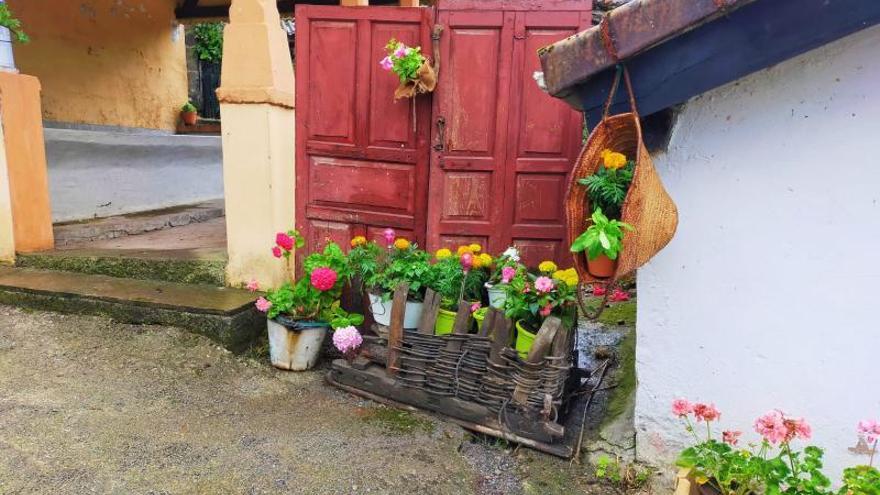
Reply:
x=724, y=462
x=301, y=312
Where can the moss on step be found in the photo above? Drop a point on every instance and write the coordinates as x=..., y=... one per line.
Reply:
x=209, y=270
x=397, y=420
x=621, y=395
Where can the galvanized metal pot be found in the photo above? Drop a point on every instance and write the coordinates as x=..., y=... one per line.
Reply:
x=7, y=62
x=382, y=311
x=295, y=345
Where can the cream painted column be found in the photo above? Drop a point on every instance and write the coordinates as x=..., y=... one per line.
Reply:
x=7, y=236
x=257, y=114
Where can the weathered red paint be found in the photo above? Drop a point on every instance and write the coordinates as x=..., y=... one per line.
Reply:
x=362, y=164
x=361, y=161
x=507, y=147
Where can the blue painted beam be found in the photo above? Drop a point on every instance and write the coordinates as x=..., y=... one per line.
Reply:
x=756, y=36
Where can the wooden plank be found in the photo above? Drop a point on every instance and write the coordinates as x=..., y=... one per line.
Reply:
x=489, y=322
x=463, y=319
x=354, y=3
x=544, y=339
x=409, y=3
x=429, y=312
x=561, y=344
x=395, y=335
x=501, y=333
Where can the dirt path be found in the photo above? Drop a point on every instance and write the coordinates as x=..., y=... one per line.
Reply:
x=88, y=405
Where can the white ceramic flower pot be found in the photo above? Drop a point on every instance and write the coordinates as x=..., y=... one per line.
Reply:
x=7, y=62
x=295, y=348
x=382, y=311
x=497, y=296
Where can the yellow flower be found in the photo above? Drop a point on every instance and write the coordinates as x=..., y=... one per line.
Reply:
x=464, y=249
x=358, y=241
x=485, y=259
x=475, y=248
x=570, y=276
x=547, y=267
x=613, y=160
x=443, y=253
x=478, y=262
x=401, y=243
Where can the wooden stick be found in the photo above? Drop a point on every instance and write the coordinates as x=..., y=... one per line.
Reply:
x=429, y=312
x=395, y=335
x=463, y=319
x=501, y=338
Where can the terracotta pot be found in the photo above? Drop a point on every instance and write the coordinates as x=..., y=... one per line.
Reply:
x=602, y=266
x=189, y=118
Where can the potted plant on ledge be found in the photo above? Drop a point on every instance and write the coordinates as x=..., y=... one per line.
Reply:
x=189, y=113
x=301, y=312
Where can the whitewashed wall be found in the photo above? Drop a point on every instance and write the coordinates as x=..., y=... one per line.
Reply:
x=768, y=295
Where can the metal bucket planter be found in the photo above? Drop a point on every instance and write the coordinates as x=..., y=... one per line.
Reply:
x=382, y=311
x=7, y=62
x=295, y=345
x=497, y=295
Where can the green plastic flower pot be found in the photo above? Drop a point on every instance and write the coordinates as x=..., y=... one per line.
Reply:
x=524, y=340
x=445, y=322
x=479, y=316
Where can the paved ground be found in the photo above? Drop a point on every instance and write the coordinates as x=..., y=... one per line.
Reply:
x=207, y=234
x=92, y=406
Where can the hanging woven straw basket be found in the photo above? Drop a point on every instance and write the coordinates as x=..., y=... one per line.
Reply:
x=647, y=206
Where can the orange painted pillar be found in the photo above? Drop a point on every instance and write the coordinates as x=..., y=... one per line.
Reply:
x=24, y=163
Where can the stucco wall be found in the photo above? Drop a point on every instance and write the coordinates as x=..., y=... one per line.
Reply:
x=766, y=298
x=107, y=62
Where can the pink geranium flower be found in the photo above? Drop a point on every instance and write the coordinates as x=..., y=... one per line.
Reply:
x=798, y=428
x=386, y=63
x=681, y=407
x=467, y=261
x=771, y=426
x=263, y=304
x=347, y=339
x=544, y=284
x=870, y=429
x=276, y=252
x=401, y=51
x=253, y=285
x=323, y=278
x=389, y=235
x=706, y=412
x=507, y=274
x=731, y=437
x=598, y=290
x=618, y=296
x=475, y=306
x=284, y=241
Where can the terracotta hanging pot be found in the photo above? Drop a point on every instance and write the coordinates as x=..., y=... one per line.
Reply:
x=601, y=266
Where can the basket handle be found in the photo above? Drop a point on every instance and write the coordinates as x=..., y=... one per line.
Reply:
x=621, y=70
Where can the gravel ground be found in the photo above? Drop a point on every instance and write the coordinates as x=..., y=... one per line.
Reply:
x=88, y=405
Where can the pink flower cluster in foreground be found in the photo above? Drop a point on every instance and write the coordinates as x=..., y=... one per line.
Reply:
x=544, y=284
x=775, y=427
x=347, y=339
x=870, y=430
x=263, y=304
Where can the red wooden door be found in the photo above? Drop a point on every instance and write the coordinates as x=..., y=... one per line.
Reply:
x=502, y=147
x=361, y=158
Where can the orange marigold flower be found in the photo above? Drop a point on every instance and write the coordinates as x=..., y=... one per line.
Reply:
x=358, y=241
x=463, y=249
x=401, y=243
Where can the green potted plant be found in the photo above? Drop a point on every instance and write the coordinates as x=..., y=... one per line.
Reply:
x=456, y=277
x=301, y=312
x=383, y=270
x=189, y=113
x=502, y=271
x=533, y=297
x=10, y=28
x=411, y=68
x=602, y=242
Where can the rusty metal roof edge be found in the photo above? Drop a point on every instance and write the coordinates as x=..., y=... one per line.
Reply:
x=630, y=29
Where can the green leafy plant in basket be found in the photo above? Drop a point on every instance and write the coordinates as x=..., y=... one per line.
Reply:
x=607, y=187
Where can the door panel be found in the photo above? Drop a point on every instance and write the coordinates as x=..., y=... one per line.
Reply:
x=362, y=158
x=500, y=174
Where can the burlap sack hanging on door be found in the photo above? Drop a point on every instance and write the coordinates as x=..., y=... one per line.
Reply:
x=425, y=82
x=647, y=206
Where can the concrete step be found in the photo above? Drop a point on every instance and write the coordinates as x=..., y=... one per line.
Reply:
x=191, y=266
x=225, y=315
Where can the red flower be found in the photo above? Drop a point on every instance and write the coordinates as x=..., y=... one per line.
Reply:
x=323, y=279
x=618, y=296
x=276, y=252
x=467, y=261
x=598, y=290
x=284, y=241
